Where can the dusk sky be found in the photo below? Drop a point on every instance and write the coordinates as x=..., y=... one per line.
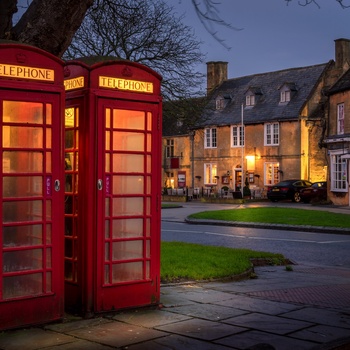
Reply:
x=274, y=36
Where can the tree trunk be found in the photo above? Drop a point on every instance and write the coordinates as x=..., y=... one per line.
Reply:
x=7, y=9
x=50, y=24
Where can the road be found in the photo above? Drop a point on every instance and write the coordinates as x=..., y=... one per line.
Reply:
x=300, y=247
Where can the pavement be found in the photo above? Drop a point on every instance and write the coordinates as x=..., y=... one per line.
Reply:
x=305, y=308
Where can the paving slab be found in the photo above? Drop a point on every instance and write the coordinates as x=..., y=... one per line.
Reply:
x=321, y=334
x=202, y=329
x=250, y=338
x=209, y=312
x=32, y=338
x=174, y=342
x=268, y=323
x=150, y=318
x=117, y=334
x=333, y=318
x=246, y=303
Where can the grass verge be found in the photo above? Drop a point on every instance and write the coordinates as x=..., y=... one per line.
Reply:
x=289, y=216
x=187, y=261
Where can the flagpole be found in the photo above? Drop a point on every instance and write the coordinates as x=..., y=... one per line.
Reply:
x=242, y=150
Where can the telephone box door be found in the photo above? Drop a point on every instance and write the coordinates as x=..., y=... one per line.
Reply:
x=31, y=246
x=128, y=205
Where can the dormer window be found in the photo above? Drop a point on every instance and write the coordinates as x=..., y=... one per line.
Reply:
x=250, y=100
x=252, y=96
x=220, y=103
x=285, y=96
x=286, y=92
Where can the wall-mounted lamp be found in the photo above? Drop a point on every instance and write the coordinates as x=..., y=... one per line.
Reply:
x=250, y=163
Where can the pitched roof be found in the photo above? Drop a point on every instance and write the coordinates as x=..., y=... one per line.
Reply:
x=268, y=106
x=342, y=84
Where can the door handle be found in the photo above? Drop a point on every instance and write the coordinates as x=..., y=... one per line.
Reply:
x=99, y=184
x=57, y=185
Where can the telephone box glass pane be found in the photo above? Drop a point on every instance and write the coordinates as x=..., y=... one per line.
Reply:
x=127, y=119
x=149, y=164
x=22, y=211
x=23, y=112
x=22, y=260
x=21, y=236
x=22, y=162
x=127, y=206
x=22, y=137
x=149, y=187
x=48, y=138
x=18, y=286
x=149, y=142
x=22, y=186
x=48, y=113
x=149, y=121
x=127, y=228
x=128, y=184
x=128, y=141
x=127, y=272
x=128, y=163
x=127, y=250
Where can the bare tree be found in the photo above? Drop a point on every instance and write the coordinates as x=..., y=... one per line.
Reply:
x=147, y=32
x=51, y=24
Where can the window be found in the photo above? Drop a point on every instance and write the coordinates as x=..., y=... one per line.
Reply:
x=210, y=138
x=210, y=173
x=272, y=175
x=272, y=134
x=237, y=133
x=338, y=173
x=220, y=103
x=250, y=100
x=285, y=96
x=340, y=118
x=169, y=149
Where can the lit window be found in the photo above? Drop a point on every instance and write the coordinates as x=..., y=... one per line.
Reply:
x=237, y=136
x=210, y=174
x=340, y=118
x=210, y=138
x=169, y=149
x=272, y=175
x=271, y=134
x=250, y=100
x=338, y=173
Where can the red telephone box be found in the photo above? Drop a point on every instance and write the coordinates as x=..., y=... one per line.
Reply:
x=31, y=241
x=112, y=239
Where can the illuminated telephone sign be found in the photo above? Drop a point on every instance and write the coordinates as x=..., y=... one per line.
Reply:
x=126, y=84
x=24, y=72
x=75, y=83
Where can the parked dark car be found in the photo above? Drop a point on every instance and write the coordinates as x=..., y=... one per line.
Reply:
x=287, y=189
x=316, y=192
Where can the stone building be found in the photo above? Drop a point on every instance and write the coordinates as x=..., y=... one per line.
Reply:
x=258, y=129
x=338, y=135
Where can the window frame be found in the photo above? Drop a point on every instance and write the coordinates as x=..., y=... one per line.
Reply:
x=210, y=138
x=169, y=148
x=237, y=135
x=271, y=177
x=285, y=96
x=250, y=100
x=340, y=118
x=271, y=134
x=210, y=173
x=338, y=173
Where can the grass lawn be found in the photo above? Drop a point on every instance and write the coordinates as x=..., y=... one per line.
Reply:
x=290, y=216
x=186, y=261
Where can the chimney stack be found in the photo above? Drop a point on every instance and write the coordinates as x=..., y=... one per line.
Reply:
x=342, y=54
x=216, y=74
